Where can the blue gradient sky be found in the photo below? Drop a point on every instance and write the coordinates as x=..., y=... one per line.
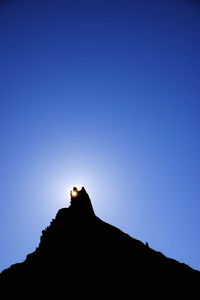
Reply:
x=103, y=94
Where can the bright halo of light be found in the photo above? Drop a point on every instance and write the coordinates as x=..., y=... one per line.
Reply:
x=74, y=193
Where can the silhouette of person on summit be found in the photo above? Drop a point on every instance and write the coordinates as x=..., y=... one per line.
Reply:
x=74, y=192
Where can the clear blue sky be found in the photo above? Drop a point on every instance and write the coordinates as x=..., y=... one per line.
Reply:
x=103, y=94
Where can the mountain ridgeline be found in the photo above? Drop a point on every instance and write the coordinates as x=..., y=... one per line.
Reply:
x=82, y=254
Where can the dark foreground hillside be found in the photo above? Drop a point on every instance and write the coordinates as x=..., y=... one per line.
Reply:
x=81, y=255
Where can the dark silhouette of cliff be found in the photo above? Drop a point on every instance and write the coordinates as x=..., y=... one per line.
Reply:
x=81, y=255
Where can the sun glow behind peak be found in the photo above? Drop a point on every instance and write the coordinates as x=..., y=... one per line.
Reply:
x=74, y=193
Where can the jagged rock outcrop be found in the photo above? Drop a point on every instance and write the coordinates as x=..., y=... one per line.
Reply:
x=81, y=254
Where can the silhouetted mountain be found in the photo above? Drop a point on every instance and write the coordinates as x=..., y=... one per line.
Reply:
x=81, y=254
